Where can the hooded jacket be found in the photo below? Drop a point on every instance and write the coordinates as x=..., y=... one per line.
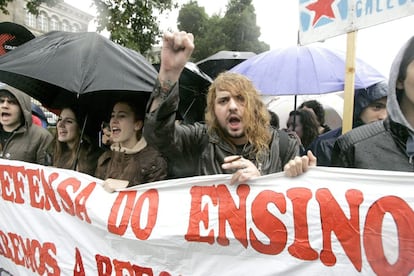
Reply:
x=322, y=146
x=191, y=150
x=381, y=145
x=28, y=142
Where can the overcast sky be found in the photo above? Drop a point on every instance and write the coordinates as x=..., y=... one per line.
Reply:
x=278, y=22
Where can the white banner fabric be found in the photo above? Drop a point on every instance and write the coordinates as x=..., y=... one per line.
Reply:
x=329, y=221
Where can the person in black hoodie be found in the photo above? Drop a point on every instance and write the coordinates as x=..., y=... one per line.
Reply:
x=388, y=144
x=369, y=106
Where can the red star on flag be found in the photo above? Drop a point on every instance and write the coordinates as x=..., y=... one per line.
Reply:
x=321, y=8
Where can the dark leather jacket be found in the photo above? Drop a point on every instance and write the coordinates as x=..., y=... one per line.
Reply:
x=384, y=150
x=144, y=166
x=191, y=151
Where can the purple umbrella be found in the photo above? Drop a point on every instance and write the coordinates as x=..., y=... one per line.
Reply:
x=304, y=70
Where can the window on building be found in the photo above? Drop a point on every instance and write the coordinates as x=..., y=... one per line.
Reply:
x=66, y=26
x=30, y=19
x=54, y=24
x=75, y=28
x=43, y=22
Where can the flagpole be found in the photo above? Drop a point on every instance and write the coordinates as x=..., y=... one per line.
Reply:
x=349, y=82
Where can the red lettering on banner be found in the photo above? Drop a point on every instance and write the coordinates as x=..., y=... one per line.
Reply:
x=41, y=191
x=235, y=216
x=30, y=260
x=132, y=213
x=153, y=199
x=5, y=250
x=121, y=266
x=18, y=174
x=403, y=216
x=16, y=241
x=333, y=219
x=113, y=216
x=105, y=267
x=46, y=257
x=11, y=185
x=268, y=224
x=78, y=270
x=40, y=258
x=199, y=214
x=301, y=248
x=346, y=230
x=49, y=197
x=76, y=207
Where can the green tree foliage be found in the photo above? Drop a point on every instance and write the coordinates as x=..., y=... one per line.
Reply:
x=32, y=5
x=132, y=23
x=192, y=18
x=235, y=31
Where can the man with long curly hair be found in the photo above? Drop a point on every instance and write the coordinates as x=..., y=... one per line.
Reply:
x=236, y=138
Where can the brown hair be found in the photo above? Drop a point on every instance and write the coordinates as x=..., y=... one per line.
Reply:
x=64, y=157
x=256, y=116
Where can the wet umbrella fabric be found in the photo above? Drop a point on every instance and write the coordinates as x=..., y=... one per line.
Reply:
x=222, y=61
x=62, y=68
x=304, y=70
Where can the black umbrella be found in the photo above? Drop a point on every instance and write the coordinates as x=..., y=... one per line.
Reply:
x=222, y=61
x=85, y=69
x=193, y=87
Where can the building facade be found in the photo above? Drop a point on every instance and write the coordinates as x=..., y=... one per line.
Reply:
x=61, y=17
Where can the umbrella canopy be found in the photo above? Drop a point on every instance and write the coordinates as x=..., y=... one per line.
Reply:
x=193, y=86
x=61, y=66
x=85, y=69
x=301, y=70
x=222, y=61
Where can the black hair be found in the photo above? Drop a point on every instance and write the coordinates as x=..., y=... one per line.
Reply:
x=407, y=58
x=274, y=120
x=309, y=125
x=317, y=108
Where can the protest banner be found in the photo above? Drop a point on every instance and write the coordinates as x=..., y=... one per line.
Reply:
x=329, y=221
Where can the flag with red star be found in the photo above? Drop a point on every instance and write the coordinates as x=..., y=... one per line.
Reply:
x=322, y=19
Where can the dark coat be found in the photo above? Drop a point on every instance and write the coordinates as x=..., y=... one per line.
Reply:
x=322, y=146
x=146, y=165
x=29, y=142
x=87, y=161
x=386, y=145
x=378, y=146
x=191, y=151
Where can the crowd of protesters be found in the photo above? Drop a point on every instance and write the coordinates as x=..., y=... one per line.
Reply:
x=239, y=136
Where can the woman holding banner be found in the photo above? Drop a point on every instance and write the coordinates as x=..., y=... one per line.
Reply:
x=130, y=161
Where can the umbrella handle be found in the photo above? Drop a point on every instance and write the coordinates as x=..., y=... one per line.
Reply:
x=75, y=162
x=188, y=109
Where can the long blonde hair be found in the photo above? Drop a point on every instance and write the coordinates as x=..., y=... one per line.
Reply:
x=256, y=117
